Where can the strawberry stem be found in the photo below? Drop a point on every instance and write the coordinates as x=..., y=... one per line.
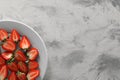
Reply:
x=25, y=50
x=6, y=79
x=11, y=60
x=4, y=40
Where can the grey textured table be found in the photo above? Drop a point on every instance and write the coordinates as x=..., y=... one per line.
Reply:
x=82, y=36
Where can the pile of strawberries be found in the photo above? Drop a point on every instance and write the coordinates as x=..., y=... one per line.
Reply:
x=17, y=57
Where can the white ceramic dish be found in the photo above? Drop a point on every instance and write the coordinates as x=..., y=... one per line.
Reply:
x=35, y=39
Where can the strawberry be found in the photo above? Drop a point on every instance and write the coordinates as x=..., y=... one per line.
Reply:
x=12, y=66
x=9, y=45
x=21, y=76
x=33, y=65
x=22, y=67
x=7, y=55
x=24, y=43
x=32, y=53
x=12, y=76
x=15, y=36
x=33, y=74
x=19, y=56
x=2, y=61
x=3, y=34
x=3, y=72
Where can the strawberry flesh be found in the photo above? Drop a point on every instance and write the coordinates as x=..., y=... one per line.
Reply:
x=2, y=61
x=19, y=56
x=3, y=72
x=22, y=67
x=12, y=76
x=3, y=34
x=32, y=53
x=9, y=45
x=33, y=74
x=7, y=55
x=12, y=66
x=15, y=36
x=33, y=65
x=24, y=43
x=21, y=76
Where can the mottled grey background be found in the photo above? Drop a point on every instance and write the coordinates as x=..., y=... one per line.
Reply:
x=82, y=36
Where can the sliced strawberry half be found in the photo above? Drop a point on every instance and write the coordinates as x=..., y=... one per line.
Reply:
x=7, y=55
x=3, y=72
x=33, y=65
x=15, y=36
x=2, y=61
x=25, y=43
x=12, y=76
x=22, y=67
x=3, y=34
x=9, y=45
x=12, y=66
x=33, y=74
x=32, y=53
x=19, y=56
x=21, y=76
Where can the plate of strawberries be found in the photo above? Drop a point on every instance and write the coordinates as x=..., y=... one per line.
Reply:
x=23, y=54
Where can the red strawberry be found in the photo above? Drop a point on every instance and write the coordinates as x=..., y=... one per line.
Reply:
x=32, y=53
x=3, y=34
x=9, y=45
x=12, y=66
x=3, y=72
x=33, y=65
x=2, y=61
x=22, y=67
x=24, y=43
x=7, y=55
x=21, y=76
x=33, y=74
x=15, y=36
x=12, y=76
x=19, y=55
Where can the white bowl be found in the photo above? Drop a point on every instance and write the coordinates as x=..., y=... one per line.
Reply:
x=35, y=39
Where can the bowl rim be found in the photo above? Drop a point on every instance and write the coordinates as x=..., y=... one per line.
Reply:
x=45, y=48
